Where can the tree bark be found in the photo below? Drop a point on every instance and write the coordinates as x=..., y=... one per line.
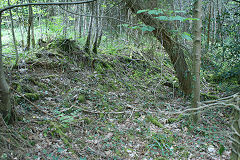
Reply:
x=88, y=41
x=235, y=154
x=95, y=44
x=5, y=105
x=197, y=28
x=13, y=35
x=32, y=29
x=174, y=50
x=209, y=26
x=30, y=23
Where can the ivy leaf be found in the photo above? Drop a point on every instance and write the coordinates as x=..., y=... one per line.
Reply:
x=221, y=149
x=180, y=11
x=187, y=19
x=141, y=11
x=155, y=12
x=70, y=18
x=135, y=27
x=147, y=28
x=186, y=36
x=162, y=18
x=125, y=25
x=59, y=150
x=177, y=18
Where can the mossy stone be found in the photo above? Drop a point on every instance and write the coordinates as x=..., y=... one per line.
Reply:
x=81, y=98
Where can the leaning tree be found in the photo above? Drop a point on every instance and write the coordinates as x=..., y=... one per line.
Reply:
x=173, y=48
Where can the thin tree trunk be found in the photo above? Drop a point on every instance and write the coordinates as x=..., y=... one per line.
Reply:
x=84, y=20
x=209, y=26
x=30, y=20
x=235, y=154
x=13, y=35
x=21, y=28
x=65, y=22
x=95, y=44
x=32, y=29
x=76, y=24
x=87, y=44
x=197, y=27
x=174, y=50
x=5, y=105
x=80, y=22
x=100, y=37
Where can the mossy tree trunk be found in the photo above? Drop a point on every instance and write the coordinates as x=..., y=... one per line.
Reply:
x=5, y=105
x=197, y=29
x=174, y=50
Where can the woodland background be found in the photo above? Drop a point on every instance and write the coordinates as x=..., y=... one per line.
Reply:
x=107, y=79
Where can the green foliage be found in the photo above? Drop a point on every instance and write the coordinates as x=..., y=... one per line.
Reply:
x=186, y=36
x=162, y=142
x=141, y=27
x=32, y=96
x=147, y=28
x=81, y=98
x=167, y=17
x=55, y=25
x=221, y=150
x=174, y=18
x=154, y=121
x=223, y=56
x=172, y=120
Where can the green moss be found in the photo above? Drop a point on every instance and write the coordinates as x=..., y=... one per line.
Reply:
x=120, y=108
x=87, y=120
x=185, y=154
x=101, y=115
x=81, y=98
x=19, y=88
x=58, y=130
x=137, y=115
x=154, y=121
x=39, y=84
x=172, y=120
x=32, y=96
x=208, y=96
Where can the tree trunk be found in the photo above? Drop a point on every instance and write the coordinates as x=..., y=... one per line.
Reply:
x=235, y=154
x=21, y=28
x=174, y=50
x=30, y=23
x=209, y=26
x=87, y=44
x=13, y=35
x=5, y=105
x=197, y=28
x=95, y=44
x=32, y=30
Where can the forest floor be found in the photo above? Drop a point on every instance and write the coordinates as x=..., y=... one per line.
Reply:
x=116, y=108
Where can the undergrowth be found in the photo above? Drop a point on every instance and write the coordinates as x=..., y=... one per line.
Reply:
x=103, y=107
